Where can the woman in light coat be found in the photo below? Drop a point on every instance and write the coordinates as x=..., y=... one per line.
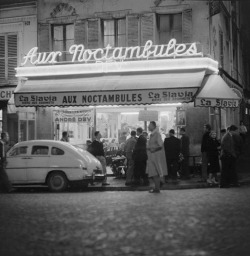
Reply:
x=156, y=164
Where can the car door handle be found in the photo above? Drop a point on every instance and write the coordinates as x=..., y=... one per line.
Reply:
x=26, y=157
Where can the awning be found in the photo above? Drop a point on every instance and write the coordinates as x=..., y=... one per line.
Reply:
x=216, y=93
x=124, y=89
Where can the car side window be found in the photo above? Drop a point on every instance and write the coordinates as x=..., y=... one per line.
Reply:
x=40, y=150
x=19, y=151
x=57, y=151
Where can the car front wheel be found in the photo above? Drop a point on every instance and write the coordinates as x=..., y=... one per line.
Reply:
x=57, y=182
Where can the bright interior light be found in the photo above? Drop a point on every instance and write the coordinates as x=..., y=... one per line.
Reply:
x=130, y=113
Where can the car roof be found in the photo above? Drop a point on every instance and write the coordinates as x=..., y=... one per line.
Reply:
x=44, y=142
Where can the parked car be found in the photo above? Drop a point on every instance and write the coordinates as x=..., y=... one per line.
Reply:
x=53, y=163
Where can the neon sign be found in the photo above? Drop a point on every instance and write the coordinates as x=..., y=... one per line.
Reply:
x=108, y=54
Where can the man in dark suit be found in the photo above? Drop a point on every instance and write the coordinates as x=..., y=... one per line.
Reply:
x=140, y=158
x=172, y=150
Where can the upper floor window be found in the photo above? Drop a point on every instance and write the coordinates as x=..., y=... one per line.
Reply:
x=114, y=32
x=169, y=26
x=8, y=57
x=63, y=38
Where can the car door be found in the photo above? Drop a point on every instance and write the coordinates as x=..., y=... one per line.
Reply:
x=37, y=164
x=17, y=164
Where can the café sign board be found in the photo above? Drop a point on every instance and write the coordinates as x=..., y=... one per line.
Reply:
x=94, y=98
x=219, y=103
x=80, y=54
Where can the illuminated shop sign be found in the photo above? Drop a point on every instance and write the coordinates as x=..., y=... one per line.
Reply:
x=219, y=103
x=80, y=54
x=106, y=98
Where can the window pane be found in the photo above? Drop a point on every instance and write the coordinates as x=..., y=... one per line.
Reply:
x=40, y=150
x=31, y=129
x=58, y=33
x=57, y=151
x=121, y=41
x=109, y=40
x=109, y=28
x=177, y=21
x=70, y=32
x=178, y=36
x=164, y=25
x=121, y=27
x=30, y=115
x=23, y=130
x=164, y=37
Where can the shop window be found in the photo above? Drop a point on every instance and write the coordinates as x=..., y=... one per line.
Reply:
x=62, y=39
x=169, y=26
x=40, y=150
x=26, y=126
x=8, y=57
x=57, y=151
x=114, y=32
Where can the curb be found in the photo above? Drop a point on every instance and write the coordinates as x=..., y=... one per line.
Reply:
x=165, y=187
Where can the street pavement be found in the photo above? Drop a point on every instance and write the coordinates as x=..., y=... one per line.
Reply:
x=195, y=222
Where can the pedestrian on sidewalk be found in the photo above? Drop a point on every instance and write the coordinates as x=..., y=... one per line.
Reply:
x=205, y=138
x=243, y=131
x=65, y=137
x=128, y=149
x=185, y=142
x=5, y=185
x=156, y=164
x=213, y=158
x=98, y=151
x=172, y=146
x=231, y=147
x=140, y=158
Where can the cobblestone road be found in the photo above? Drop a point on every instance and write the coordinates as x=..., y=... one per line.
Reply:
x=195, y=222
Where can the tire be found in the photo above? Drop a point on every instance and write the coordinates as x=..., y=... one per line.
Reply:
x=57, y=182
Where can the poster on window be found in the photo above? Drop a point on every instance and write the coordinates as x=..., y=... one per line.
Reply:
x=73, y=116
x=180, y=118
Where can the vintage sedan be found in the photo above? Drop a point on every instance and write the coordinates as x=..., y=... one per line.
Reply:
x=55, y=164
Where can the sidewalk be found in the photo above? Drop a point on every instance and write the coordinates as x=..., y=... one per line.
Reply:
x=193, y=183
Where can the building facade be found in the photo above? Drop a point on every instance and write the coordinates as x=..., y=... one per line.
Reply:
x=18, y=33
x=115, y=23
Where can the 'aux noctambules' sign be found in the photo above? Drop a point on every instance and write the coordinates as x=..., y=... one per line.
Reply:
x=80, y=54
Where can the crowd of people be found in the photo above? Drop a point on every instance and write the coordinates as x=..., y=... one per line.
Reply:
x=151, y=157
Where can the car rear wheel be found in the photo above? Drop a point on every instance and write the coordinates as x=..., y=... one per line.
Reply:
x=57, y=182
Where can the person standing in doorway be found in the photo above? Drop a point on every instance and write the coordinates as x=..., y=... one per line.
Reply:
x=243, y=131
x=5, y=185
x=231, y=147
x=213, y=158
x=156, y=164
x=65, y=137
x=140, y=157
x=205, y=138
x=98, y=152
x=129, y=148
x=172, y=148
x=185, y=142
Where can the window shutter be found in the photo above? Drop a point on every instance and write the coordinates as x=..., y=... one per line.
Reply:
x=43, y=38
x=12, y=56
x=80, y=33
x=93, y=41
x=133, y=30
x=2, y=58
x=147, y=28
x=187, y=26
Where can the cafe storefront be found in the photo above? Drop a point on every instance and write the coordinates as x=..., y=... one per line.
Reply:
x=115, y=90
